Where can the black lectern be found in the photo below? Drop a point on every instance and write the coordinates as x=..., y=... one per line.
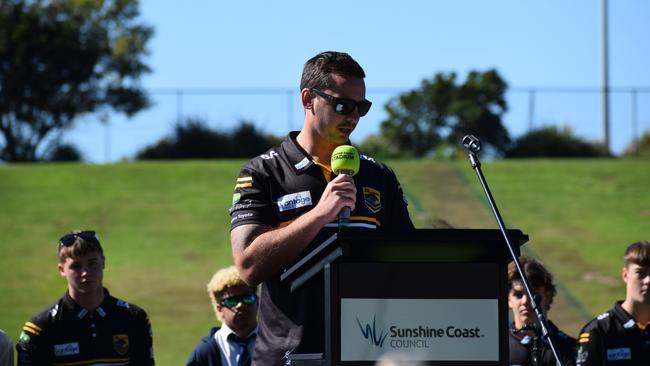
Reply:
x=437, y=296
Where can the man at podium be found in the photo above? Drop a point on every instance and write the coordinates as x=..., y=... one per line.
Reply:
x=287, y=201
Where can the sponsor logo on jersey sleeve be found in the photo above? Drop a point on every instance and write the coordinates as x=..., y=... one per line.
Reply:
x=235, y=198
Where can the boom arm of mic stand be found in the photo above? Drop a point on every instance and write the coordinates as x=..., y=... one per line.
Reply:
x=541, y=318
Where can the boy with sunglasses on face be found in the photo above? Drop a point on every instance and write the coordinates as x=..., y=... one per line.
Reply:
x=287, y=200
x=235, y=304
x=87, y=326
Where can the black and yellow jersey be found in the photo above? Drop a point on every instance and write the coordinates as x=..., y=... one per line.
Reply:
x=274, y=189
x=283, y=183
x=614, y=338
x=116, y=333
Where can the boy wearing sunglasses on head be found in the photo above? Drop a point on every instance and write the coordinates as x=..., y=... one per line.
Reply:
x=235, y=304
x=87, y=326
x=287, y=201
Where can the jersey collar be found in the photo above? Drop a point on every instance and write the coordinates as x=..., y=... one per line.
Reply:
x=623, y=317
x=81, y=312
x=300, y=160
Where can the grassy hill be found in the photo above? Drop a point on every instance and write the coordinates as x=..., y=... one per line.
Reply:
x=164, y=227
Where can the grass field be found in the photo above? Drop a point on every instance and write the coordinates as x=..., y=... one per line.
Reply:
x=164, y=228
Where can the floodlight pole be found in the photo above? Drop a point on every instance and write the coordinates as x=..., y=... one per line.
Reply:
x=473, y=145
x=605, y=92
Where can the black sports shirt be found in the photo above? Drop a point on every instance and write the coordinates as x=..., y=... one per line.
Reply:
x=116, y=333
x=521, y=347
x=274, y=189
x=614, y=338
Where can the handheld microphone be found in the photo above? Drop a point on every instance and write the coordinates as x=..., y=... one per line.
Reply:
x=345, y=160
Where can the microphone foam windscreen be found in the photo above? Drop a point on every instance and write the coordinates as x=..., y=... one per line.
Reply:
x=345, y=157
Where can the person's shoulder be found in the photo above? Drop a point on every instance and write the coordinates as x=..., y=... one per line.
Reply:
x=128, y=308
x=47, y=315
x=206, y=348
x=602, y=322
x=369, y=162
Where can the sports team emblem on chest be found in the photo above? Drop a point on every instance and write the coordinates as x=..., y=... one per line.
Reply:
x=372, y=199
x=121, y=343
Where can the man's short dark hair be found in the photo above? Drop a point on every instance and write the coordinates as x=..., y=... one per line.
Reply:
x=317, y=70
x=638, y=253
x=537, y=274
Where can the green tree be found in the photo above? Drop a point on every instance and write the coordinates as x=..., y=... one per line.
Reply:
x=553, y=142
x=194, y=139
x=60, y=59
x=443, y=110
x=639, y=147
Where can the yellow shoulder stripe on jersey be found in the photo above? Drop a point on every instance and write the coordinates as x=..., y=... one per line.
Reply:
x=32, y=325
x=94, y=361
x=584, y=338
x=365, y=218
x=244, y=185
x=245, y=179
x=32, y=328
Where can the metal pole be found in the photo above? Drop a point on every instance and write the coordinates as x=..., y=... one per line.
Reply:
x=179, y=105
x=531, y=109
x=605, y=80
x=635, y=124
x=290, y=109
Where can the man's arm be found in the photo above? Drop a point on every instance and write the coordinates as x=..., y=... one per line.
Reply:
x=260, y=251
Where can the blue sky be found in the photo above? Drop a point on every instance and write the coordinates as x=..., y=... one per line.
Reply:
x=263, y=44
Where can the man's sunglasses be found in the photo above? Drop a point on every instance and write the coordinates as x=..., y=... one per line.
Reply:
x=232, y=301
x=345, y=105
x=69, y=239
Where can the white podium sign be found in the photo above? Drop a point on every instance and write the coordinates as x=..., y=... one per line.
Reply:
x=420, y=329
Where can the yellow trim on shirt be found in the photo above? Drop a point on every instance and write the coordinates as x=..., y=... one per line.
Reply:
x=327, y=171
x=90, y=362
x=243, y=185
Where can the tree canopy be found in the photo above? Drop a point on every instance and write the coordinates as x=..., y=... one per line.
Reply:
x=443, y=111
x=194, y=139
x=60, y=59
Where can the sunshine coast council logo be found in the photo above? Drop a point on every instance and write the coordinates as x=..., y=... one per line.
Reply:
x=371, y=333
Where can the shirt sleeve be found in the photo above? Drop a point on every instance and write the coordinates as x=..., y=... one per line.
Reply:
x=143, y=342
x=400, y=220
x=590, y=350
x=251, y=201
x=32, y=348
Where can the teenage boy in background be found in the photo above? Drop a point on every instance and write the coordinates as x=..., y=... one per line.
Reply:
x=87, y=326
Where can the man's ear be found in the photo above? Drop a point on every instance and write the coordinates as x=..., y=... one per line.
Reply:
x=306, y=98
x=624, y=274
x=60, y=267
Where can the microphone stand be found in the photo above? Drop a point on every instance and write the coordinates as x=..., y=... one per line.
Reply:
x=473, y=146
